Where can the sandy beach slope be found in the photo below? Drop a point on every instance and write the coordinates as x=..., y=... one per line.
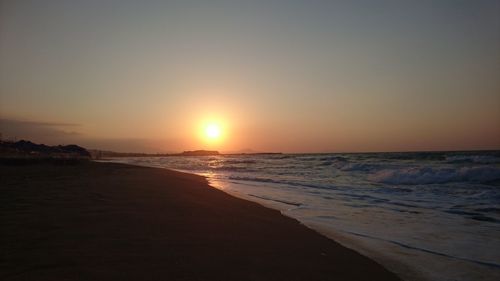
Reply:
x=102, y=221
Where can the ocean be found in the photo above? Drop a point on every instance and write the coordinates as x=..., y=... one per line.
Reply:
x=423, y=215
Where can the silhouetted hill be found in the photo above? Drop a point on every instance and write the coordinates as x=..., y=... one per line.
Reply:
x=27, y=148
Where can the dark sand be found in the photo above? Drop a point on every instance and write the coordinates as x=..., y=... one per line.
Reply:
x=100, y=221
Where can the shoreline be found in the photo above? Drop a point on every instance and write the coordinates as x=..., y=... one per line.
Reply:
x=371, y=248
x=115, y=221
x=409, y=263
x=403, y=271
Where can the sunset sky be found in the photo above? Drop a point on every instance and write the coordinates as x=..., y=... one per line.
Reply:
x=289, y=76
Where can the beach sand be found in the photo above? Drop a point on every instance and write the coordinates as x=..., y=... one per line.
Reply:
x=103, y=221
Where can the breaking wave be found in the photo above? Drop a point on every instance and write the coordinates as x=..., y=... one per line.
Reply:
x=430, y=175
x=481, y=159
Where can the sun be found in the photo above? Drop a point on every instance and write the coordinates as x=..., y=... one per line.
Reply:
x=212, y=131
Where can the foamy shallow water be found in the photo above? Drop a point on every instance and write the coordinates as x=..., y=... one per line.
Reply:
x=426, y=216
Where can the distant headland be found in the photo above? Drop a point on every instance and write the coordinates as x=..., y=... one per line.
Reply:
x=24, y=148
x=26, y=152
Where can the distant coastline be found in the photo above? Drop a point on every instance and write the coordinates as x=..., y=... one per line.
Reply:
x=29, y=149
x=99, y=154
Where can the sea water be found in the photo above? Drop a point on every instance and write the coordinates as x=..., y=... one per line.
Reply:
x=425, y=215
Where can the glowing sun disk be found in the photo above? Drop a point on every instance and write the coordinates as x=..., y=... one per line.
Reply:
x=212, y=131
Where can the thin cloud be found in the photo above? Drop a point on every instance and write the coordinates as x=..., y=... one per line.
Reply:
x=36, y=123
x=38, y=131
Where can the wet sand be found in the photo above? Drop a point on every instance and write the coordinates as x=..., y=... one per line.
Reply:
x=103, y=221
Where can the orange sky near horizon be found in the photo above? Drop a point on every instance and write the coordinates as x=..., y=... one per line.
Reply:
x=277, y=77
